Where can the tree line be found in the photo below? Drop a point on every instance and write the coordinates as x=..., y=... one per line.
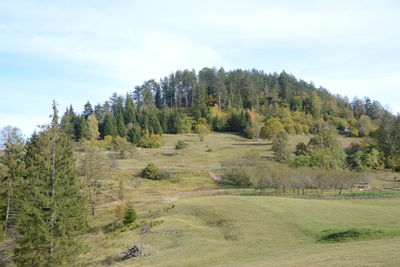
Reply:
x=241, y=101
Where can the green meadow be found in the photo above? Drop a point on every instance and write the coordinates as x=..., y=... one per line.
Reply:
x=194, y=221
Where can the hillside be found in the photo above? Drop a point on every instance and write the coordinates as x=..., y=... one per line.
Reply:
x=209, y=168
x=210, y=224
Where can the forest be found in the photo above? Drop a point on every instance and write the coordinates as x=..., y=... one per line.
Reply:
x=249, y=102
x=55, y=183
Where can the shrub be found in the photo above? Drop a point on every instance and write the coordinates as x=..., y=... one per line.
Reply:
x=271, y=128
x=181, y=145
x=107, y=142
x=152, y=172
x=236, y=177
x=301, y=148
x=130, y=215
x=350, y=234
x=151, y=141
x=120, y=143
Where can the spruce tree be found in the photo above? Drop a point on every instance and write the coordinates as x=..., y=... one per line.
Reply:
x=130, y=112
x=81, y=129
x=157, y=97
x=121, y=128
x=130, y=215
x=108, y=126
x=14, y=169
x=68, y=121
x=280, y=147
x=52, y=205
x=134, y=134
x=87, y=110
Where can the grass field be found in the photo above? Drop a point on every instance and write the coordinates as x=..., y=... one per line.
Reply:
x=208, y=225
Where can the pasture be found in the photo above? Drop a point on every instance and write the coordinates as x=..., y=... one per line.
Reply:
x=196, y=222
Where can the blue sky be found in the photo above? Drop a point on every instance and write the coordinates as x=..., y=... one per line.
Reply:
x=74, y=51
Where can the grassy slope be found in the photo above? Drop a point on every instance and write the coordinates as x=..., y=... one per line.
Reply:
x=236, y=230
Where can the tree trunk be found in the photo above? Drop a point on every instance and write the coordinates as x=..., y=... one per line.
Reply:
x=93, y=208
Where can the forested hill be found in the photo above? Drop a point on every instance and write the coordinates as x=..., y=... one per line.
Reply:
x=239, y=100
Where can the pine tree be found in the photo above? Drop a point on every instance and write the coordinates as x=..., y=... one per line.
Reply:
x=134, y=134
x=121, y=128
x=81, y=130
x=280, y=147
x=87, y=110
x=221, y=88
x=108, y=126
x=130, y=215
x=99, y=112
x=68, y=121
x=11, y=179
x=130, y=111
x=157, y=97
x=52, y=211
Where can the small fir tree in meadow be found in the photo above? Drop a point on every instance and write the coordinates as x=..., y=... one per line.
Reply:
x=130, y=215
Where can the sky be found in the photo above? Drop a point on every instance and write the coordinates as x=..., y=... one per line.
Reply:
x=75, y=51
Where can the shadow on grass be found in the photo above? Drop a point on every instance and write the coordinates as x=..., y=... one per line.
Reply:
x=169, y=154
x=252, y=144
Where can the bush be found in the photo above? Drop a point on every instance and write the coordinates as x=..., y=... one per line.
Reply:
x=301, y=148
x=271, y=128
x=151, y=141
x=152, y=172
x=236, y=177
x=351, y=234
x=181, y=145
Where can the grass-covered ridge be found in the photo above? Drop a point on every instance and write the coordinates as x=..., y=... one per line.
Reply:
x=210, y=224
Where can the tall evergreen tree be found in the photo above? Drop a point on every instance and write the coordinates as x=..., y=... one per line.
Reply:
x=99, y=111
x=52, y=211
x=80, y=128
x=11, y=179
x=157, y=97
x=121, y=128
x=130, y=111
x=108, y=126
x=221, y=88
x=87, y=110
x=68, y=121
